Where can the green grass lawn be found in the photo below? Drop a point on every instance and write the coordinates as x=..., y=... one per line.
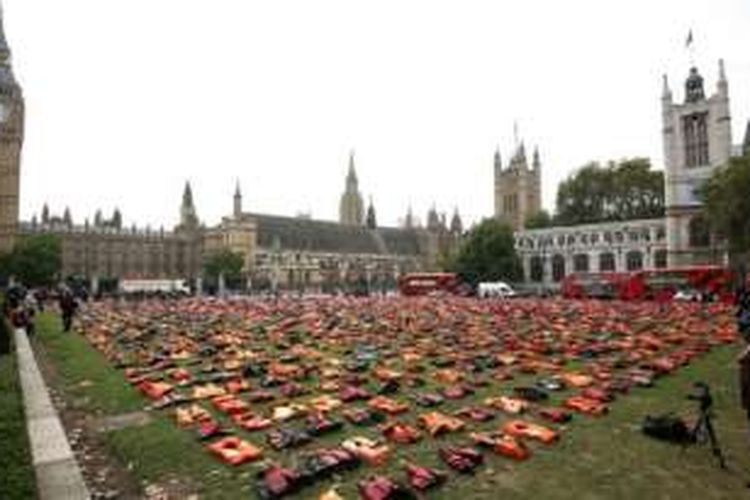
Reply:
x=596, y=458
x=16, y=471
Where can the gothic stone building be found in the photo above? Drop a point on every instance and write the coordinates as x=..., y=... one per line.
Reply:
x=697, y=140
x=518, y=188
x=282, y=251
x=11, y=139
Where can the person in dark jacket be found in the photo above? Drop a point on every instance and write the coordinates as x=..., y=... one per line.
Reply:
x=68, y=307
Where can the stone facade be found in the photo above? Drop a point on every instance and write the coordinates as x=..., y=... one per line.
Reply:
x=549, y=254
x=518, y=188
x=351, y=207
x=697, y=136
x=697, y=139
x=11, y=140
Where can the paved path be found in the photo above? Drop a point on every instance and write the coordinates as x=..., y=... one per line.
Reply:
x=57, y=472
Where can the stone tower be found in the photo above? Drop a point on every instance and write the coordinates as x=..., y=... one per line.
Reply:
x=518, y=188
x=697, y=136
x=11, y=140
x=351, y=208
x=188, y=215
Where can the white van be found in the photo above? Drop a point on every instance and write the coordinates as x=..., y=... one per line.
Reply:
x=496, y=289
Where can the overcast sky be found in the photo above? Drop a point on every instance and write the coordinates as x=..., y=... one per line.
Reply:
x=126, y=99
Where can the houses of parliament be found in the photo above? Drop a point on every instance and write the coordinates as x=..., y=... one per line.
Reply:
x=289, y=252
x=299, y=252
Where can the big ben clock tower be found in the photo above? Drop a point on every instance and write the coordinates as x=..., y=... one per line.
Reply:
x=11, y=140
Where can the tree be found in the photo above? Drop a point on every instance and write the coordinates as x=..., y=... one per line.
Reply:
x=538, y=220
x=35, y=260
x=223, y=262
x=488, y=254
x=727, y=204
x=620, y=191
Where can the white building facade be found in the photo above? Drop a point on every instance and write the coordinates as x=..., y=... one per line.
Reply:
x=549, y=254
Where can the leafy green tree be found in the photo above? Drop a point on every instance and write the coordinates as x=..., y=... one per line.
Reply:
x=727, y=204
x=35, y=260
x=223, y=262
x=488, y=254
x=538, y=220
x=620, y=191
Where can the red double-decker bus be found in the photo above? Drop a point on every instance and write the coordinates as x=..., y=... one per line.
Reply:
x=604, y=285
x=663, y=284
x=427, y=283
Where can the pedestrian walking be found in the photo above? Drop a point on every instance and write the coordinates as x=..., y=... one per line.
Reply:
x=68, y=307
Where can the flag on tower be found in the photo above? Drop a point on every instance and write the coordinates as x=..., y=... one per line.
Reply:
x=689, y=40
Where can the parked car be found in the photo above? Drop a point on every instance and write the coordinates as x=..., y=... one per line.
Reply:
x=497, y=289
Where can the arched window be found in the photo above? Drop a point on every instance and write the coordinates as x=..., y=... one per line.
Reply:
x=607, y=262
x=581, y=263
x=536, y=270
x=634, y=260
x=558, y=267
x=660, y=259
x=700, y=233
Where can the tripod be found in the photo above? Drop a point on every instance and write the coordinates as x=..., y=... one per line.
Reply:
x=703, y=430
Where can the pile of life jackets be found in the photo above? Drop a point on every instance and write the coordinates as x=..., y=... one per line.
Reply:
x=345, y=383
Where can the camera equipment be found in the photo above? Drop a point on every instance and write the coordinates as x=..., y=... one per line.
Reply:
x=703, y=430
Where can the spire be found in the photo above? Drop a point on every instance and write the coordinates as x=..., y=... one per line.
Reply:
x=409, y=220
x=351, y=172
x=237, y=208
x=537, y=163
x=4, y=49
x=67, y=219
x=370, y=220
x=457, y=226
x=188, y=216
x=117, y=219
x=433, y=219
x=351, y=175
x=187, y=195
x=666, y=92
x=498, y=160
x=722, y=85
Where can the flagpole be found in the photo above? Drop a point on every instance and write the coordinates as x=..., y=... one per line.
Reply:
x=691, y=48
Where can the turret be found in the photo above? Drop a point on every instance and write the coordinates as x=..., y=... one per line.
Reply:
x=67, y=219
x=666, y=92
x=433, y=219
x=694, y=87
x=237, y=201
x=457, y=227
x=536, y=162
x=409, y=219
x=722, y=86
x=371, y=221
x=188, y=216
x=117, y=219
